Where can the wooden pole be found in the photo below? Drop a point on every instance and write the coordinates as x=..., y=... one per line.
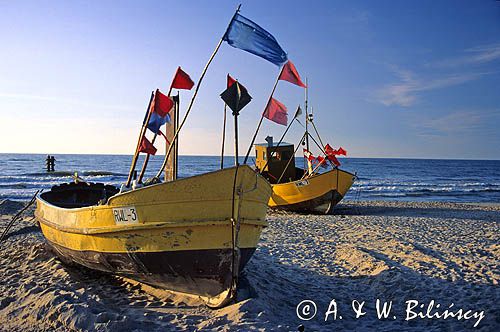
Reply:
x=262, y=116
x=309, y=165
x=141, y=135
x=146, y=159
x=169, y=131
x=307, y=115
x=223, y=138
x=176, y=141
x=145, y=163
x=195, y=94
x=236, y=162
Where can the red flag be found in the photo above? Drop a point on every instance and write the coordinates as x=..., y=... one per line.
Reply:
x=163, y=104
x=342, y=151
x=289, y=73
x=334, y=160
x=230, y=80
x=321, y=161
x=329, y=150
x=147, y=147
x=182, y=80
x=276, y=112
x=330, y=154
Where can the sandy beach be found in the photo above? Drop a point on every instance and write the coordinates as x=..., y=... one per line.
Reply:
x=391, y=251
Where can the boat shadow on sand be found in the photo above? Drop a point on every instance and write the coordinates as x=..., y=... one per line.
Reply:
x=279, y=288
x=273, y=284
x=268, y=297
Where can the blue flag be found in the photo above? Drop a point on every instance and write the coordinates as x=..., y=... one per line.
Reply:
x=156, y=121
x=248, y=36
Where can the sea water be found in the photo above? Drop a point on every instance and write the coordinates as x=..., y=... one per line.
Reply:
x=377, y=179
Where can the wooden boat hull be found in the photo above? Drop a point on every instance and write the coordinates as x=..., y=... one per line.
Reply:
x=175, y=235
x=319, y=193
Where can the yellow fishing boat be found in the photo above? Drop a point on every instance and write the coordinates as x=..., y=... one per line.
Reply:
x=190, y=235
x=293, y=188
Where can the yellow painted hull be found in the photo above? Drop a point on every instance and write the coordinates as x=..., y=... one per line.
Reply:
x=176, y=235
x=319, y=193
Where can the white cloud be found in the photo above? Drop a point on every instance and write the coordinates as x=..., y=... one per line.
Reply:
x=472, y=56
x=404, y=93
x=462, y=123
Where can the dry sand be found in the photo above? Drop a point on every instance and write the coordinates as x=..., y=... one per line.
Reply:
x=395, y=251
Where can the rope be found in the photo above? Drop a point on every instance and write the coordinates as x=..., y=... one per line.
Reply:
x=18, y=215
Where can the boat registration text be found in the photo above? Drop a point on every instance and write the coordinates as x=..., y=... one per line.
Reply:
x=125, y=215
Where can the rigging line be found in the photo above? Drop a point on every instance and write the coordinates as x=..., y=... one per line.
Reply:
x=317, y=133
x=290, y=160
x=262, y=115
x=18, y=215
x=189, y=108
x=223, y=137
x=317, y=144
x=277, y=145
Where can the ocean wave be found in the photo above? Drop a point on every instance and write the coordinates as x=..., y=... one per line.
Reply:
x=451, y=189
x=14, y=186
x=101, y=173
x=68, y=173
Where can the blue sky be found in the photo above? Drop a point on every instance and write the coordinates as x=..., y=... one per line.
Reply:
x=387, y=78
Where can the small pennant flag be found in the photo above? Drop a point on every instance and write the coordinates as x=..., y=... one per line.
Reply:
x=330, y=154
x=334, y=160
x=163, y=104
x=331, y=151
x=341, y=151
x=276, y=112
x=182, y=80
x=289, y=73
x=297, y=112
x=328, y=149
x=321, y=161
x=236, y=97
x=147, y=147
x=230, y=80
x=156, y=121
x=248, y=36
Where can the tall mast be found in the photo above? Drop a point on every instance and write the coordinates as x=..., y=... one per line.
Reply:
x=307, y=115
x=309, y=164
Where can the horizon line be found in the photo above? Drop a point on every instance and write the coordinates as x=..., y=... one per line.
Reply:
x=232, y=156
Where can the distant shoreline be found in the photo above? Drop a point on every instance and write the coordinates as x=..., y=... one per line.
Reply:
x=232, y=156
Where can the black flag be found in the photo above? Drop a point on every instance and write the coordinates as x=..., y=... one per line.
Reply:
x=236, y=97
